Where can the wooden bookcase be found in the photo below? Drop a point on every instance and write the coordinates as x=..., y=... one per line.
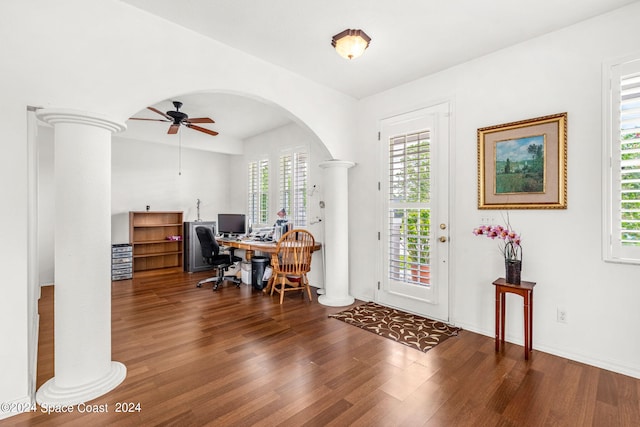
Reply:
x=153, y=250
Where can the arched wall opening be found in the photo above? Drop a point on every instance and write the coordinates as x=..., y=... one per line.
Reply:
x=172, y=172
x=139, y=171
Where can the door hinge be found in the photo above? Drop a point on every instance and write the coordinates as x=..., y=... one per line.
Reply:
x=378, y=235
x=378, y=136
x=378, y=285
x=379, y=186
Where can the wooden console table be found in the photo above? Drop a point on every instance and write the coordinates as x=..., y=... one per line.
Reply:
x=525, y=290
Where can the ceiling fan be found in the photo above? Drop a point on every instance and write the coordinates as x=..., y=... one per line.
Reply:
x=178, y=118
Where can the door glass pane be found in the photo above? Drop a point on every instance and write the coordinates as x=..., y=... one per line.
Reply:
x=409, y=252
x=409, y=209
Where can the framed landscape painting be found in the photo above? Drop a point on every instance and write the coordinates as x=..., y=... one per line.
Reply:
x=523, y=165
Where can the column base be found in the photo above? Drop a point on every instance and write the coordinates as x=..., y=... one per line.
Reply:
x=51, y=394
x=336, y=302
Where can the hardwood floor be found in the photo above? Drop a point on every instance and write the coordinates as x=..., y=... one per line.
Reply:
x=236, y=357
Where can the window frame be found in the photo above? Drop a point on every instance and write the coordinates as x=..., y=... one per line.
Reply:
x=256, y=188
x=612, y=248
x=287, y=197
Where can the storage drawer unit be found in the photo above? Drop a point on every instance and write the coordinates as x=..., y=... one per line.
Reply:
x=121, y=261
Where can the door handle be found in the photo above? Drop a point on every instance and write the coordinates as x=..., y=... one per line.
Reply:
x=443, y=239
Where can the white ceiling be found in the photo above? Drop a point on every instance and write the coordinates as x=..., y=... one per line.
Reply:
x=236, y=119
x=410, y=39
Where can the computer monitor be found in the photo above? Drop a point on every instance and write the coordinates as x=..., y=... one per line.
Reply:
x=231, y=224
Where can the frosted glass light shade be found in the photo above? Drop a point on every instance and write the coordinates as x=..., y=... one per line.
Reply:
x=350, y=44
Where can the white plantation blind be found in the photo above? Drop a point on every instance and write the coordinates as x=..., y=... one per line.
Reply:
x=293, y=186
x=409, y=208
x=630, y=159
x=624, y=173
x=258, y=191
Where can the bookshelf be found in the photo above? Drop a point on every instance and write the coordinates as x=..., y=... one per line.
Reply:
x=154, y=251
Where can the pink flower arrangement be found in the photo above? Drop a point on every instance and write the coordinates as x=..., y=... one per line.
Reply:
x=511, y=249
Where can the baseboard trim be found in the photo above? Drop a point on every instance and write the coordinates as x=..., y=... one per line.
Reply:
x=609, y=365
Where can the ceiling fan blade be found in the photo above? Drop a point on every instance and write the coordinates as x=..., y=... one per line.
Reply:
x=173, y=129
x=160, y=112
x=201, y=129
x=151, y=120
x=201, y=120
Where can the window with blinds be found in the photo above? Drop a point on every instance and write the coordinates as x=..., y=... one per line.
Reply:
x=630, y=159
x=624, y=171
x=258, y=192
x=409, y=208
x=293, y=186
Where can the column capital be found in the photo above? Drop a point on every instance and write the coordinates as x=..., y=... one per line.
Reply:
x=54, y=116
x=337, y=164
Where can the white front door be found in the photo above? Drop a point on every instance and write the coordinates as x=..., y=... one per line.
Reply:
x=414, y=223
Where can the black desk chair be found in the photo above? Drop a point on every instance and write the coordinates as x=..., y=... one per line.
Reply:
x=212, y=256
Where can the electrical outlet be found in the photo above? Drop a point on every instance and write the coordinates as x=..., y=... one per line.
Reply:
x=487, y=220
x=562, y=315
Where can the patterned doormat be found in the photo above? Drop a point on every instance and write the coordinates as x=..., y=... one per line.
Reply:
x=409, y=329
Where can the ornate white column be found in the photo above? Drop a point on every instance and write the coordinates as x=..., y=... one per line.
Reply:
x=336, y=233
x=82, y=314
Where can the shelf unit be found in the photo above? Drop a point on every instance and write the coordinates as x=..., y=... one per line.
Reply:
x=153, y=250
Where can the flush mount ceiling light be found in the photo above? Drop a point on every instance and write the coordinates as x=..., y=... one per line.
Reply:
x=350, y=44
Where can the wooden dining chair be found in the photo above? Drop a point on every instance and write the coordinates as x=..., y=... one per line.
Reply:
x=292, y=262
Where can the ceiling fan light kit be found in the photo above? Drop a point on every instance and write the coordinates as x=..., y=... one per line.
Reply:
x=178, y=118
x=350, y=44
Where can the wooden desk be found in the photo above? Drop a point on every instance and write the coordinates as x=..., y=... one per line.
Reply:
x=525, y=290
x=251, y=246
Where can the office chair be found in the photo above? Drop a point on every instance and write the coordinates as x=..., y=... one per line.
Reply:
x=212, y=256
x=292, y=262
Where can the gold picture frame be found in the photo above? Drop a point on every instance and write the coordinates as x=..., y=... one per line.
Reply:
x=523, y=165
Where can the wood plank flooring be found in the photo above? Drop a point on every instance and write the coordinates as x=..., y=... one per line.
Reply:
x=235, y=357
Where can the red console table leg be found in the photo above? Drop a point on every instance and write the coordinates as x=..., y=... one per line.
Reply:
x=526, y=325
x=531, y=321
x=498, y=324
x=503, y=311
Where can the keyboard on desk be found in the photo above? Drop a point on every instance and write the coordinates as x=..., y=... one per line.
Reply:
x=262, y=242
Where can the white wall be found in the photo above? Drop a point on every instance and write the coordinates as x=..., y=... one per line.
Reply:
x=555, y=73
x=46, y=188
x=145, y=173
x=270, y=145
